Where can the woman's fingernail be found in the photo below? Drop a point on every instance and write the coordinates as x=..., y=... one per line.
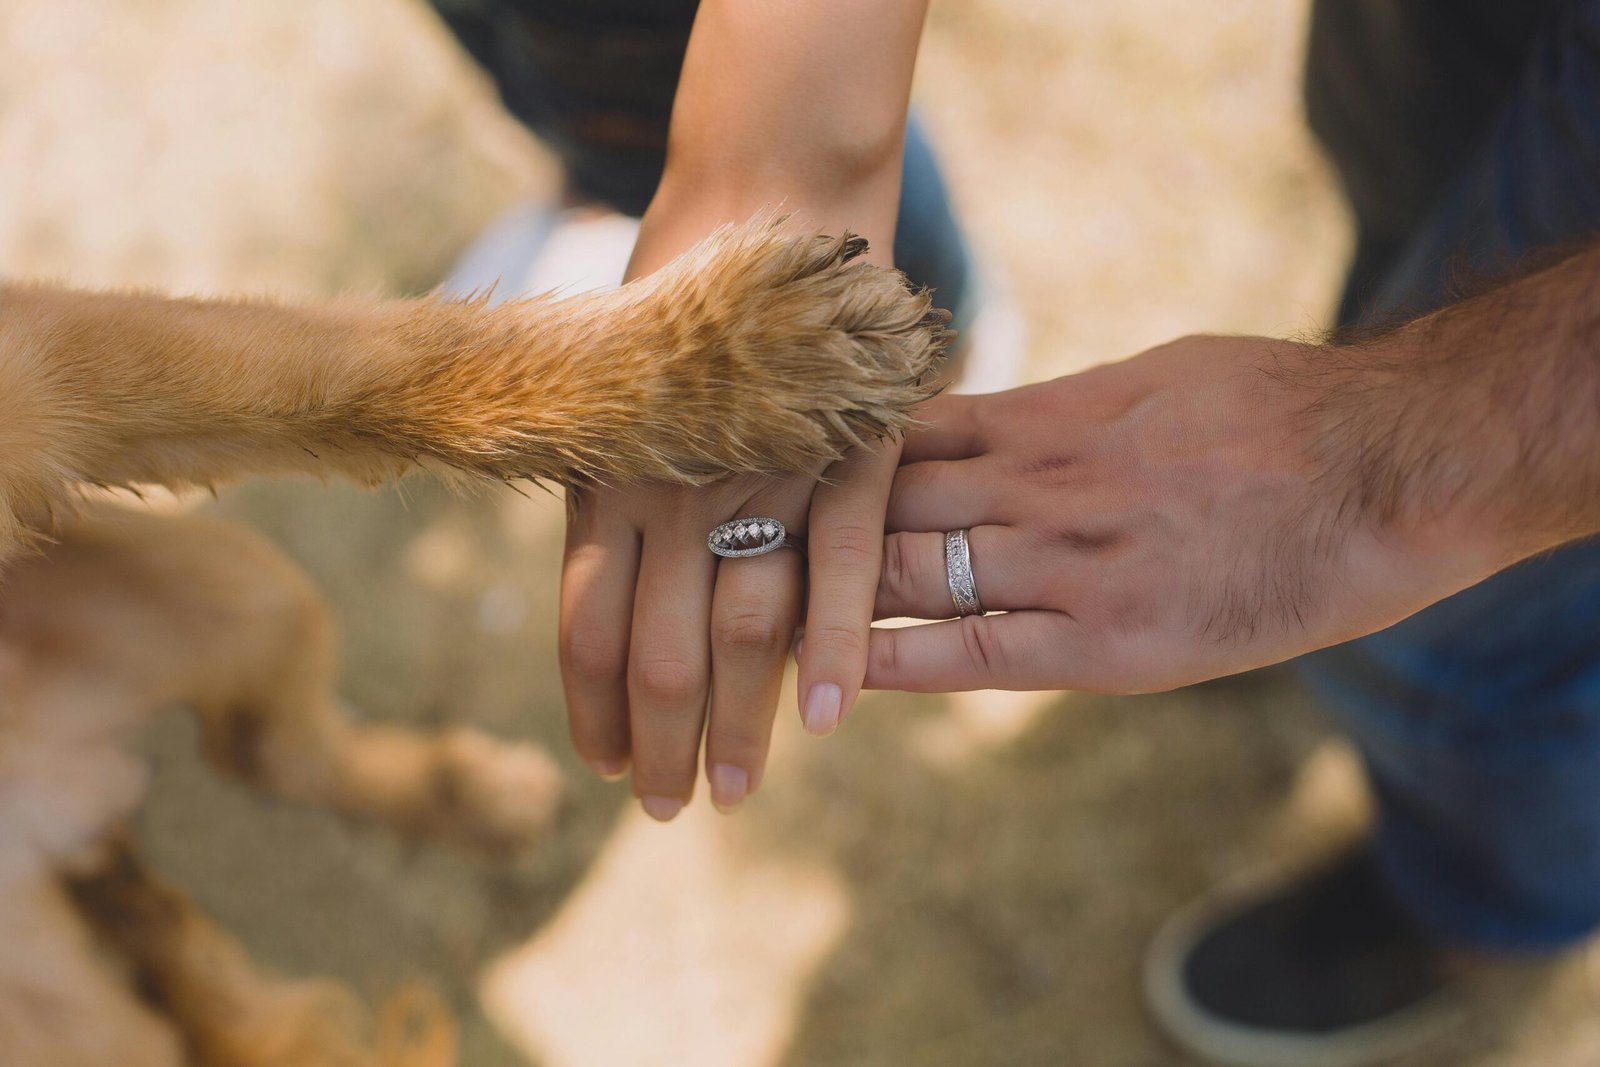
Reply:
x=821, y=713
x=661, y=809
x=729, y=785
x=799, y=647
x=610, y=769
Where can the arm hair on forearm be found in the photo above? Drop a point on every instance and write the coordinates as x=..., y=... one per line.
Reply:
x=1479, y=420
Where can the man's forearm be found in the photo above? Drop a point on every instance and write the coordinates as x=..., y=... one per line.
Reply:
x=1478, y=424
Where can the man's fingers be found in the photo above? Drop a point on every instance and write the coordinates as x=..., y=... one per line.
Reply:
x=915, y=583
x=597, y=580
x=669, y=664
x=1020, y=650
x=949, y=430
x=846, y=547
x=945, y=495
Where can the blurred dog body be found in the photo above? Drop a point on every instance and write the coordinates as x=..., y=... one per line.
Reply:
x=759, y=351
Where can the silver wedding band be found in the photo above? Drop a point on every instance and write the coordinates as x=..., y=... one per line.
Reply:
x=958, y=571
x=752, y=537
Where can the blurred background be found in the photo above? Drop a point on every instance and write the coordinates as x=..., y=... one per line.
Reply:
x=948, y=881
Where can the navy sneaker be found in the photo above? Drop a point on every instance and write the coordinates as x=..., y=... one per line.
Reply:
x=1328, y=971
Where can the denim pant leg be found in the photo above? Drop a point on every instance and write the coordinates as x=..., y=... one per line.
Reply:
x=929, y=244
x=1479, y=721
x=1479, y=718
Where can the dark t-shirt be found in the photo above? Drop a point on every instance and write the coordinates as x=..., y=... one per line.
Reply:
x=1430, y=109
x=1402, y=92
x=585, y=15
x=594, y=78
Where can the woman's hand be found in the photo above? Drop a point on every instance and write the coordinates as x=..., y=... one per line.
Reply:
x=804, y=106
x=1195, y=511
x=661, y=642
x=641, y=602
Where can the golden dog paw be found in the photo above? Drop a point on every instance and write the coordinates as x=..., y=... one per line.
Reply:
x=768, y=351
x=492, y=794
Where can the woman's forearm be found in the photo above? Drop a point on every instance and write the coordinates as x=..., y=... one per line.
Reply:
x=799, y=104
x=815, y=93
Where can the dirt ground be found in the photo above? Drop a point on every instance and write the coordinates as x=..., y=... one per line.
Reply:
x=949, y=881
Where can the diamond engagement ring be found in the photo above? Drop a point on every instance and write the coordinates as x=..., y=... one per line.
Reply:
x=752, y=537
x=958, y=571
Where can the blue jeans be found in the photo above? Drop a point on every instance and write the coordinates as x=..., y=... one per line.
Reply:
x=1479, y=718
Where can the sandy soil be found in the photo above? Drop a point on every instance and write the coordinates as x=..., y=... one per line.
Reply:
x=950, y=881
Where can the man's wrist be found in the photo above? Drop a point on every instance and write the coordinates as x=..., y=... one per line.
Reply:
x=1519, y=368
x=1433, y=454
x=1475, y=429
x=1392, y=453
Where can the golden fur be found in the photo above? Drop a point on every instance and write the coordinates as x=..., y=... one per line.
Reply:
x=754, y=352
x=759, y=351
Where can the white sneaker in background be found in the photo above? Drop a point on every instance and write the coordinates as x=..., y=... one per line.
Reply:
x=537, y=248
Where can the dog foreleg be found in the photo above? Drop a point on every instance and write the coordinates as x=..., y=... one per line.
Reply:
x=229, y=1013
x=757, y=351
x=60, y=1005
x=165, y=610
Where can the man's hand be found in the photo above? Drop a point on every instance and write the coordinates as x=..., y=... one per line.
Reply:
x=1213, y=505
x=1222, y=503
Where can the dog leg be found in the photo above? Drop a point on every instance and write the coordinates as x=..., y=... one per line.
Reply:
x=61, y=1005
x=758, y=351
x=230, y=1014
x=194, y=611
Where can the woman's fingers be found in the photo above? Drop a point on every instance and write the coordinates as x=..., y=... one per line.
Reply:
x=597, y=584
x=669, y=662
x=915, y=583
x=753, y=616
x=846, y=549
x=1019, y=650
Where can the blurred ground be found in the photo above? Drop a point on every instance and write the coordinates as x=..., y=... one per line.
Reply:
x=955, y=881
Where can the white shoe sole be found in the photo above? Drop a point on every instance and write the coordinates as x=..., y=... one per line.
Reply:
x=1228, y=1044
x=536, y=248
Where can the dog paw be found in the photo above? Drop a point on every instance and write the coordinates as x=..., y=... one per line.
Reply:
x=492, y=794
x=765, y=351
x=804, y=349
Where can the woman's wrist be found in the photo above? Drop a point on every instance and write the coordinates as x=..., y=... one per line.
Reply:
x=687, y=206
x=826, y=165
